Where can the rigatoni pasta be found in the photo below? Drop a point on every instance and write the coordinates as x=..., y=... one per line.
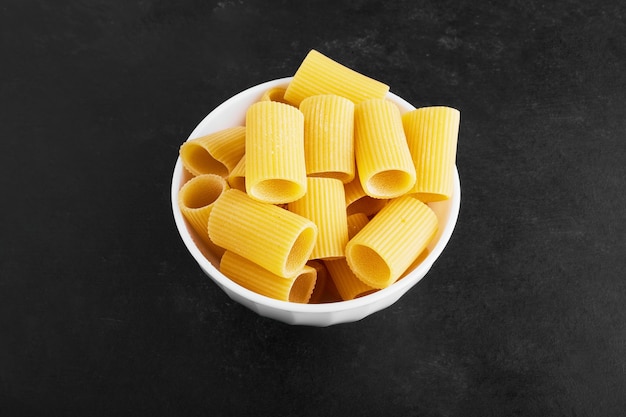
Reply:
x=381, y=252
x=216, y=153
x=357, y=201
x=329, y=136
x=432, y=134
x=324, y=205
x=348, y=285
x=274, y=238
x=237, y=177
x=383, y=158
x=322, y=195
x=296, y=289
x=196, y=199
x=319, y=74
x=356, y=222
x=275, y=94
x=275, y=164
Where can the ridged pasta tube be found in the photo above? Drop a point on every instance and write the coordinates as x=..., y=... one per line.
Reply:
x=296, y=289
x=215, y=153
x=196, y=199
x=329, y=136
x=276, y=239
x=275, y=164
x=348, y=285
x=324, y=205
x=432, y=135
x=319, y=74
x=383, y=158
x=382, y=251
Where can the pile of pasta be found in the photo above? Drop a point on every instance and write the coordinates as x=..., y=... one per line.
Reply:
x=322, y=195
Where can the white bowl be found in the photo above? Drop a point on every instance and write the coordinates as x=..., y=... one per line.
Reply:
x=232, y=113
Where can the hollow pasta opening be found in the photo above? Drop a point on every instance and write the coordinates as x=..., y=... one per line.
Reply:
x=202, y=191
x=300, y=251
x=277, y=191
x=302, y=287
x=389, y=184
x=201, y=161
x=369, y=266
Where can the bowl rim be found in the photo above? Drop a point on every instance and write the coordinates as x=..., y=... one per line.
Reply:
x=397, y=289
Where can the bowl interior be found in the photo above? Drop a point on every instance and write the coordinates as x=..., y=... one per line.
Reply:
x=232, y=113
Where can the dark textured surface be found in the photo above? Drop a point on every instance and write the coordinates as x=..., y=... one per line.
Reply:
x=103, y=312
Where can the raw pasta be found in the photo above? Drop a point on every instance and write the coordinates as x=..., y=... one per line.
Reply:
x=196, y=199
x=321, y=281
x=329, y=136
x=356, y=222
x=275, y=164
x=348, y=285
x=319, y=74
x=324, y=205
x=274, y=238
x=357, y=201
x=237, y=177
x=432, y=134
x=274, y=94
x=216, y=153
x=383, y=158
x=297, y=288
x=382, y=251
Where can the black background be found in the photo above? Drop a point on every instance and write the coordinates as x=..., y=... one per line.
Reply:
x=103, y=311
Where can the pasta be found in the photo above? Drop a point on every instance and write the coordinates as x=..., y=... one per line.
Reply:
x=382, y=251
x=196, y=199
x=319, y=74
x=274, y=238
x=275, y=163
x=321, y=195
x=297, y=288
x=329, y=136
x=216, y=153
x=324, y=205
x=383, y=159
x=237, y=177
x=432, y=134
x=357, y=201
x=348, y=285
x=356, y=222
x=320, y=283
x=274, y=94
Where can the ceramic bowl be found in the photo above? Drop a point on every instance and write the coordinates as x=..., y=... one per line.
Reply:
x=232, y=113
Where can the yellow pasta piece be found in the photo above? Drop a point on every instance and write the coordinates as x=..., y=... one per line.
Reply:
x=383, y=250
x=324, y=205
x=329, y=136
x=275, y=94
x=357, y=201
x=432, y=134
x=237, y=177
x=383, y=159
x=275, y=164
x=196, y=199
x=276, y=239
x=319, y=74
x=356, y=222
x=215, y=153
x=296, y=289
x=348, y=285
x=320, y=283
